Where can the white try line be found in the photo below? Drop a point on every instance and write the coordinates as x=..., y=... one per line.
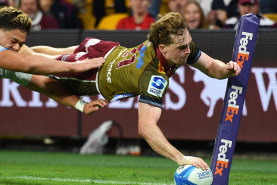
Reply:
x=78, y=180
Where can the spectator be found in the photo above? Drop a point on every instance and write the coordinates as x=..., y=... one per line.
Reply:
x=99, y=9
x=268, y=6
x=65, y=13
x=14, y=3
x=194, y=15
x=177, y=5
x=221, y=11
x=140, y=18
x=250, y=6
x=80, y=5
x=39, y=19
x=154, y=8
x=205, y=5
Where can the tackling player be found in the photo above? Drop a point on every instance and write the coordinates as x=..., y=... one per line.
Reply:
x=14, y=28
x=143, y=70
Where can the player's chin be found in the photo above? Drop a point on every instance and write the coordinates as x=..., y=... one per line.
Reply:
x=183, y=61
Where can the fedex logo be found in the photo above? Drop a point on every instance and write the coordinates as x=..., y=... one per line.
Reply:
x=243, y=53
x=233, y=108
x=222, y=161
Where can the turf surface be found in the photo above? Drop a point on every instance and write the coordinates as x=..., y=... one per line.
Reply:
x=43, y=168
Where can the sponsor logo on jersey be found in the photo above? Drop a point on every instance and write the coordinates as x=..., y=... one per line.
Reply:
x=233, y=108
x=157, y=86
x=141, y=56
x=243, y=54
x=222, y=160
x=109, y=72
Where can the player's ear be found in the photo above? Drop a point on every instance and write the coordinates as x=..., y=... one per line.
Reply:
x=162, y=48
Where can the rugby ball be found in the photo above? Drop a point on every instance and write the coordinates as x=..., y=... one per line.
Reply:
x=190, y=175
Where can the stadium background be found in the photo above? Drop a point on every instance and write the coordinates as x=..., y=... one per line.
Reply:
x=28, y=114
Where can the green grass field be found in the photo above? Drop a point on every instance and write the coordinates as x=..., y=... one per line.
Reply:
x=41, y=168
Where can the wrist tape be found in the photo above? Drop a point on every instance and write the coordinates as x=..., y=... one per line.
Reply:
x=80, y=105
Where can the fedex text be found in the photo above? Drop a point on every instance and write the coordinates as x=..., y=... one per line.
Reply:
x=222, y=161
x=233, y=108
x=243, y=54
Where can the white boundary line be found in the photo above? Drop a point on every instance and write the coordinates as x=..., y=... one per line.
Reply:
x=78, y=180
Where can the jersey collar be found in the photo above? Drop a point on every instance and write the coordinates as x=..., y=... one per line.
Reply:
x=168, y=70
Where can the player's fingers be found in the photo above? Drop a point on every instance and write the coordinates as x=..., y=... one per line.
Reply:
x=230, y=65
x=238, y=70
x=101, y=102
x=205, y=166
x=101, y=59
x=202, y=164
x=195, y=164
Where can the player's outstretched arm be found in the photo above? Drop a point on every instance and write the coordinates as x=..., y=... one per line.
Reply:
x=58, y=92
x=27, y=50
x=216, y=68
x=35, y=64
x=148, y=116
x=53, y=51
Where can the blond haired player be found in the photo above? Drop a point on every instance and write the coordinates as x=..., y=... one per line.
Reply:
x=144, y=70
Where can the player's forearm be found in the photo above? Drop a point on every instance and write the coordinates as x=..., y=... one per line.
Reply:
x=218, y=70
x=33, y=64
x=222, y=70
x=53, y=51
x=147, y=124
x=45, y=66
x=27, y=50
x=155, y=138
x=53, y=89
x=148, y=116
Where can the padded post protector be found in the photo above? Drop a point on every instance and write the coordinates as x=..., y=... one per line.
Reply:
x=243, y=51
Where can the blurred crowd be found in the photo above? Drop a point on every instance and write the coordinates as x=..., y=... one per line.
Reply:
x=139, y=14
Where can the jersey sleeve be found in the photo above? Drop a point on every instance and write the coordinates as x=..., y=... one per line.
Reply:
x=195, y=53
x=18, y=77
x=152, y=88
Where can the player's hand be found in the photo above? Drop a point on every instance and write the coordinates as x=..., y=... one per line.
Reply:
x=88, y=64
x=94, y=106
x=195, y=161
x=233, y=68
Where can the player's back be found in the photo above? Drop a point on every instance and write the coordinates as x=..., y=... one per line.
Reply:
x=120, y=75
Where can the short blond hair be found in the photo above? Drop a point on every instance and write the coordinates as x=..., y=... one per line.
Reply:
x=12, y=18
x=169, y=24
